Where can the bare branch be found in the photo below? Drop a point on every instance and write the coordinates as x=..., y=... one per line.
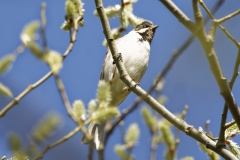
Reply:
x=65, y=98
x=228, y=17
x=207, y=45
x=182, y=125
x=43, y=25
x=160, y=76
x=218, y=22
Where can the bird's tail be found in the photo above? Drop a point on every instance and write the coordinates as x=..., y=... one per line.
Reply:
x=96, y=130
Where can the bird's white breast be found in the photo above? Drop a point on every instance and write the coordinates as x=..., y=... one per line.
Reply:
x=135, y=55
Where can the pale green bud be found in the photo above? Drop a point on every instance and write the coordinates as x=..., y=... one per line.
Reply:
x=46, y=127
x=29, y=31
x=187, y=158
x=232, y=131
x=162, y=99
x=35, y=49
x=167, y=135
x=5, y=63
x=92, y=106
x=120, y=150
x=132, y=135
x=70, y=9
x=110, y=11
x=5, y=91
x=123, y=17
x=234, y=148
x=104, y=93
x=79, y=109
x=150, y=120
x=134, y=20
x=102, y=114
x=54, y=59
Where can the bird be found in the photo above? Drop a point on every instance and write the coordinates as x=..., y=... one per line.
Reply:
x=135, y=51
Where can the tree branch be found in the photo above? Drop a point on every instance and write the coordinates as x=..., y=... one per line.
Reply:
x=182, y=125
x=17, y=99
x=218, y=22
x=160, y=76
x=207, y=45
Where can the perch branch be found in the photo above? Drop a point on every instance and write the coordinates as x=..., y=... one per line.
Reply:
x=182, y=125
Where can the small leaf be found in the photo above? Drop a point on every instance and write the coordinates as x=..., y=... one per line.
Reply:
x=28, y=32
x=35, y=49
x=102, y=114
x=5, y=91
x=78, y=107
x=54, y=59
x=6, y=62
x=104, y=92
x=120, y=150
x=132, y=135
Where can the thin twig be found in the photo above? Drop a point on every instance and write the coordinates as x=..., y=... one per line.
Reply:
x=65, y=98
x=90, y=152
x=153, y=148
x=43, y=25
x=228, y=17
x=221, y=135
x=101, y=154
x=20, y=49
x=181, y=124
x=225, y=91
x=183, y=115
x=69, y=107
x=221, y=21
x=63, y=139
x=17, y=99
x=160, y=76
x=221, y=140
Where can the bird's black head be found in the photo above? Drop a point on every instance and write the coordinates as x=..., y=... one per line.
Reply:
x=146, y=30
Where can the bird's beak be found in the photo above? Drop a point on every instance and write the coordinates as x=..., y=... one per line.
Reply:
x=154, y=28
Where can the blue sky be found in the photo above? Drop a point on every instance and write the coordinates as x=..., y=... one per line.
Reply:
x=190, y=80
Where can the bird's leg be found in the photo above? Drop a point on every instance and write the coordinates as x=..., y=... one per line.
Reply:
x=126, y=89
